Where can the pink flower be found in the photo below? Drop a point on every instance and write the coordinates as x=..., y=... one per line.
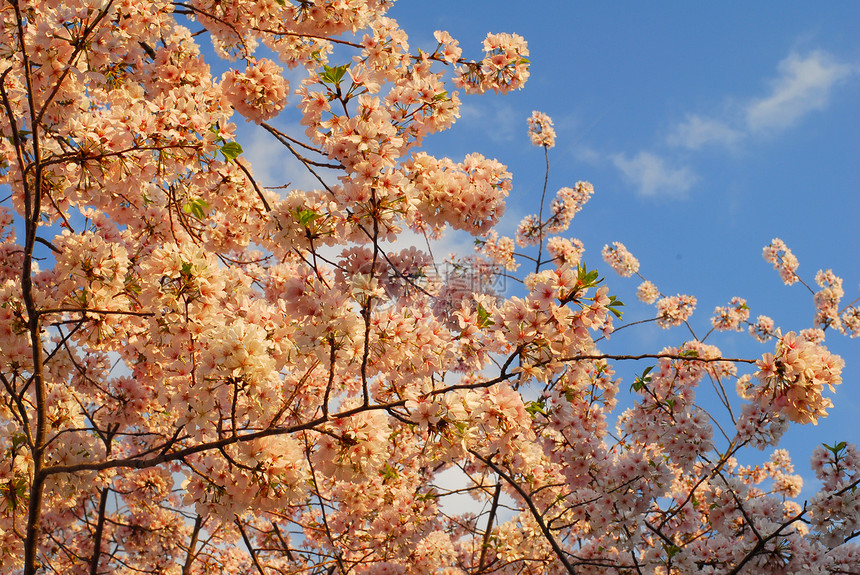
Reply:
x=763, y=329
x=541, y=132
x=793, y=377
x=621, y=260
x=647, y=292
x=673, y=311
x=782, y=259
x=732, y=316
x=258, y=93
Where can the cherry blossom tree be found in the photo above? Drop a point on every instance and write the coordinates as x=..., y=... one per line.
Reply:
x=203, y=375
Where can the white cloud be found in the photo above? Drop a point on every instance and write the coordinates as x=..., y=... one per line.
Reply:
x=803, y=86
x=452, y=242
x=271, y=161
x=653, y=177
x=695, y=132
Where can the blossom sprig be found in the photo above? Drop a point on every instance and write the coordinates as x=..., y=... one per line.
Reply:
x=764, y=328
x=541, y=131
x=620, y=258
x=675, y=310
x=505, y=66
x=783, y=260
x=792, y=379
x=731, y=317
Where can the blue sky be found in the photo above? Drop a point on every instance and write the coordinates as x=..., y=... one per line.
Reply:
x=706, y=130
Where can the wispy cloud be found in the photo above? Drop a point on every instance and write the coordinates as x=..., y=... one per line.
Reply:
x=653, y=177
x=803, y=86
x=696, y=132
x=271, y=162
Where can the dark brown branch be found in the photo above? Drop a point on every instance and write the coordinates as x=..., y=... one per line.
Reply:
x=250, y=547
x=254, y=183
x=536, y=514
x=51, y=246
x=195, y=534
x=485, y=542
x=97, y=536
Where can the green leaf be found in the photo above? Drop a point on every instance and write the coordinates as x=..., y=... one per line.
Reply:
x=427, y=496
x=306, y=217
x=535, y=407
x=484, y=317
x=441, y=96
x=18, y=439
x=613, y=303
x=231, y=151
x=587, y=278
x=836, y=448
x=197, y=207
x=333, y=75
x=689, y=353
x=389, y=472
x=671, y=550
x=643, y=380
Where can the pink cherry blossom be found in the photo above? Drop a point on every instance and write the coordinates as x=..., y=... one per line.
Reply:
x=621, y=260
x=202, y=374
x=541, y=132
x=675, y=310
x=647, y=292
x=782, y=259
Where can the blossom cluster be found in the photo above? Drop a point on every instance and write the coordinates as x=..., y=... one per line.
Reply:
x=468, y=196
x=777, y=253
x=792, y=379
x=675, y=310
x=567, y=203
x=827, y=300
x=567, y=251
x=499, y=250
x=541, y=132
x=834, y=510
x=621, y=260
x=259, y=93
x=505, y=66
x=732, y=316
x=647, y=292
